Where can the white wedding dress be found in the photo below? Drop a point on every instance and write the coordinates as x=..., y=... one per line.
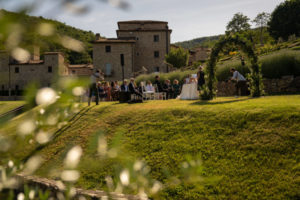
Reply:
x=189, y=91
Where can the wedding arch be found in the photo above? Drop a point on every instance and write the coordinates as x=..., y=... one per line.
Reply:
x=256, y=86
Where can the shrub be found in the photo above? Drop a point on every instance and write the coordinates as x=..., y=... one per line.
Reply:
x=280, y=64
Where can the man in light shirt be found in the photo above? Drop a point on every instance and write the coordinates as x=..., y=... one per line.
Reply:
x=241, y=82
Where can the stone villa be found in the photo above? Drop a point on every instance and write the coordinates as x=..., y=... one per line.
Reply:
x=140, y=47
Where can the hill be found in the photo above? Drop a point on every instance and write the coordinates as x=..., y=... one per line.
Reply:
x=48, y=43
x=202, y=41
x=249, y=147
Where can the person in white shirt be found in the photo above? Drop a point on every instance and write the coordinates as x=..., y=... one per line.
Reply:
x=241, y=82
x=149, y=87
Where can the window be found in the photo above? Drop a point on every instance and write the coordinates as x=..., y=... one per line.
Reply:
x=73, y=72
x=17, y=70
x=157, y=69
x=107, y=69
x=156, y=38
x=137, y=53
x=156, y=54
x=107, y=49
x=17, y=87
x=137, y=38
x=49, y=69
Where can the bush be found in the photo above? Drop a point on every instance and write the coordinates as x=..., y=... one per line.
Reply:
x=179, y=75
x=280, y=64
x=276, y=65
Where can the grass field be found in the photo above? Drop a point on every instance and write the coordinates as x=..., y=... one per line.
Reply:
x=252, y=146
x=6, y=106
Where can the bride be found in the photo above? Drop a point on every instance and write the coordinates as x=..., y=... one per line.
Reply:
x=189, y=89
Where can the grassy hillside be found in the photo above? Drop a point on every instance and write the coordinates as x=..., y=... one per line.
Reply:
x=6, y=106
x=250, y=146
x=48, y=43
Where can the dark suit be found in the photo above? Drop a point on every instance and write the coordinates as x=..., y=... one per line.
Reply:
x=159, y=87
x=124, y=89
x=167, y=88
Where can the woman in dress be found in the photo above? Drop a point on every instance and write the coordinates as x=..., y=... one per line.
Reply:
x=176, y=89
x=107, y=90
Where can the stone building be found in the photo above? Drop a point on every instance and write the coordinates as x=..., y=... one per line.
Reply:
x=199, y=54
x=15, y=76
x=140, y=47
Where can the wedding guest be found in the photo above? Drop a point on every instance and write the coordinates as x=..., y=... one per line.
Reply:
x=141, y=88
x=200, y=76
x=149, y=87
x=240, y=82
x=93, y=86
x=176, y=89
x=188, y=79
x=158, y=84
x=167, y=88
x=101, y=91
x=107, y=90
x=124, y=86
x=117, y=86
x=133, y=89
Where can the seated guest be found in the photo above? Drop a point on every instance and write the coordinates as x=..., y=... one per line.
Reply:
x=167, y=88
x=149, y=87
x=158, y=84
x=176, y=89
x=124, y=86
x=132, y=88
x=141, y=88
x=117, y=86
x=101, y=91
x=107, y=90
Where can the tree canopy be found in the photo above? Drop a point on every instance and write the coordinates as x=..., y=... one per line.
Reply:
x=178, y=57
x=285, y=20
x=238, y=23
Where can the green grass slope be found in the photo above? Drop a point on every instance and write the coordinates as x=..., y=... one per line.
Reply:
x=251, y=145
x=6, y=106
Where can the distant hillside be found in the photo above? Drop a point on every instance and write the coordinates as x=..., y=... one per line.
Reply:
x=202, y=41
x=49, y=44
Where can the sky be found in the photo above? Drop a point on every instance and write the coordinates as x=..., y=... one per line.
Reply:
x=188, y=19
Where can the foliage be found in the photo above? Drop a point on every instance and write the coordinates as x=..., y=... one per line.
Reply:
x=177, y=57
x=285, y=20
x=50, y=43
x=261, y=21
x=274, y=65
x=238, y=23
x=246, y=47
x=178, y=75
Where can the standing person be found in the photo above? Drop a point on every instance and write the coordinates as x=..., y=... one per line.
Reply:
x=200, y=77
x=93, y=87
x=158, y=84
x=241, y=83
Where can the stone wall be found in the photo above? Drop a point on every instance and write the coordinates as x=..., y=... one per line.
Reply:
x=101, y=58
x=285, y=85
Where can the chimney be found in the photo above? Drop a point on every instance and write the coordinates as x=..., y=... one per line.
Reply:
x=36, y=53
x=97, y=36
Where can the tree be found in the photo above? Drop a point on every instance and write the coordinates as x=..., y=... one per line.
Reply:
x=285, y=20
x=178, y=57
x=261, y=22
x=238, y=23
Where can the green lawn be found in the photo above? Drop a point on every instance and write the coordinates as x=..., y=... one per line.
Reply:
x=6, y=106
x=251, y=145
